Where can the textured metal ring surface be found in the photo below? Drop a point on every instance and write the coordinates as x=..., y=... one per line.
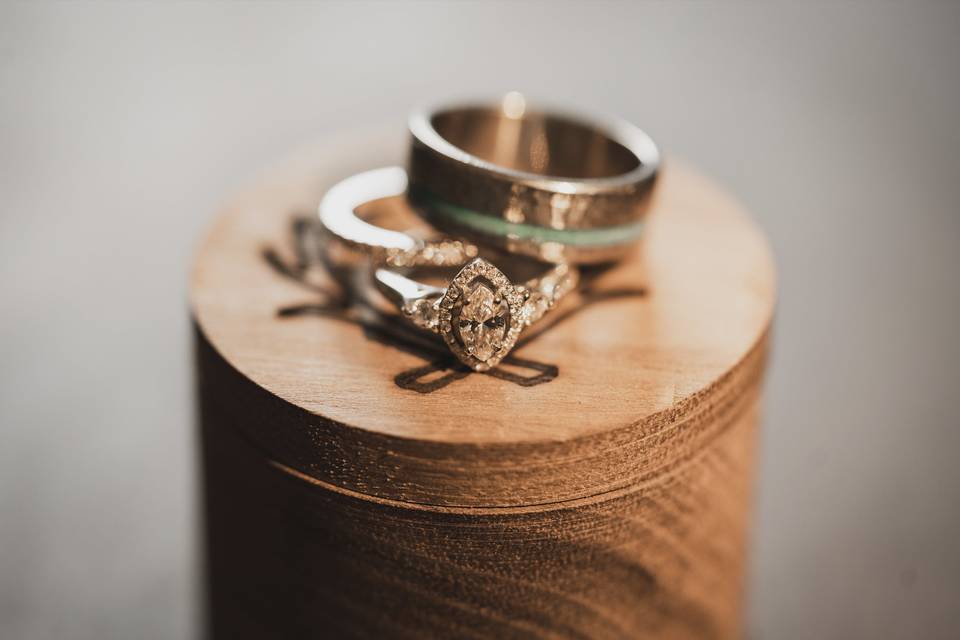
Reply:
x=555, y=186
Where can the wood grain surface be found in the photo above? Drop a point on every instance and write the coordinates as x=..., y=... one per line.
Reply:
x=360, y=483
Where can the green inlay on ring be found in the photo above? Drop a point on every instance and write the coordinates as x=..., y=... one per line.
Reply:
x=489, y=225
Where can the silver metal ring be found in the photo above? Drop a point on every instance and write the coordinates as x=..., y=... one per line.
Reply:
x=480, y=313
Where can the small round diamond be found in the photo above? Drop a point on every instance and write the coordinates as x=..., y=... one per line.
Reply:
x=534, y=308
x=424, y=313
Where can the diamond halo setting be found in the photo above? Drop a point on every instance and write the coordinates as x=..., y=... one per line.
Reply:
x=480, y=315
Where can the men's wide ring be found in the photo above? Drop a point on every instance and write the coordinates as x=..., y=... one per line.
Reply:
x=546, y=184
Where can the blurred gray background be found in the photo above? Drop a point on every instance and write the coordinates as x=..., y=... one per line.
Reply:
x=122, y=127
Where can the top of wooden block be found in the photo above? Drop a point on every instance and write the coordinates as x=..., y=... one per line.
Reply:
x=623, y=378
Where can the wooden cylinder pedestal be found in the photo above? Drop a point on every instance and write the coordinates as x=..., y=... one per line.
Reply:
x=360, y=484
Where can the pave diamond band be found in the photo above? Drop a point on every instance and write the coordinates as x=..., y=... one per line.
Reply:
x=393, y=248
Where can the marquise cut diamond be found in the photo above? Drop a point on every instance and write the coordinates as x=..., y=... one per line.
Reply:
x=479, y=315
x=483, y=321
